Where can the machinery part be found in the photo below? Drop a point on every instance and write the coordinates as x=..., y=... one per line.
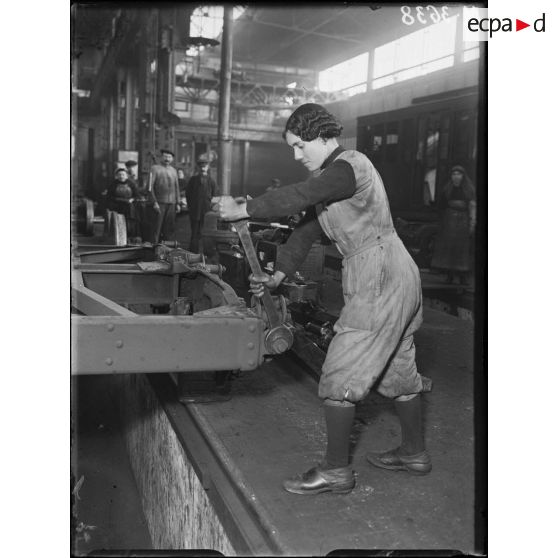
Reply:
x=199, y=307
x=280, y=338
x=182, y=261
x=115, y=227
x=298, y=291
x=85, y=213
x=89, y=217
x=324, y=333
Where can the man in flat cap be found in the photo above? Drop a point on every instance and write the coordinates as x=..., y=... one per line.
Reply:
x=165, y=195
x=199, y=191
x=130, y=165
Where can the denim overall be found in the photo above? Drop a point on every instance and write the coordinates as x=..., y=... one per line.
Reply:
x=373, y=346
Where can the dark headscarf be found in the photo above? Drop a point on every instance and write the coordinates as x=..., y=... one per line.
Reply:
x=466, y=184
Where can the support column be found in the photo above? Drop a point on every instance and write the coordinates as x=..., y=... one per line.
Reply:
x=245, y=163
x=458, y=54
x=129, y=121
x=370, y=74
x=223, y=133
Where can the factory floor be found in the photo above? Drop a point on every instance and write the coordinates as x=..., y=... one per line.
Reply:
x=386, y=510
x=107, y=511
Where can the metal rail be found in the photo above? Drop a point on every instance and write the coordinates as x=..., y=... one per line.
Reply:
x=244, y=519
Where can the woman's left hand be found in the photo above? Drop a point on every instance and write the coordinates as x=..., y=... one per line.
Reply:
x=229, y=208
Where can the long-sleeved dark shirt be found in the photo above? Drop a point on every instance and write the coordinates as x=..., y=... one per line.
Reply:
x=121, y=191
x=336, y=182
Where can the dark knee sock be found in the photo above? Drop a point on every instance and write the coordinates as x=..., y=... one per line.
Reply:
x=339, y=422
x=410, y=417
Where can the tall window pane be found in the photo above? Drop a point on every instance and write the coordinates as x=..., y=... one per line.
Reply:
x=421, y=52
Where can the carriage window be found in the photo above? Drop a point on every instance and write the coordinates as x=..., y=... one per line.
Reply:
x=392, y=141
x=462, y=133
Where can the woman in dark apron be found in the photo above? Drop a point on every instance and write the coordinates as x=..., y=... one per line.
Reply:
x=452, y=251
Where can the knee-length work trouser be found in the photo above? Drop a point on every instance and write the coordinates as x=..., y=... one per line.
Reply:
x=373, y=346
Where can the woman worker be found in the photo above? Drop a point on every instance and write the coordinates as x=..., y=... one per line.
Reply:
x=452, y=251
x=373, y=345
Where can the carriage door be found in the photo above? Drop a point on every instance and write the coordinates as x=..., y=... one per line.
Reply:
x=424, y=193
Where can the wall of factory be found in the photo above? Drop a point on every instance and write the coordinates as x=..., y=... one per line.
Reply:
x=401, y=95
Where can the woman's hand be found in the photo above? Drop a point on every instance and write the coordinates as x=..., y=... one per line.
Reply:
x=229, y=208
x=457, y=204
x=271, y=282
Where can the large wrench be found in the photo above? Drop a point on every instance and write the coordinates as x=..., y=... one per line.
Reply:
x=279, y=337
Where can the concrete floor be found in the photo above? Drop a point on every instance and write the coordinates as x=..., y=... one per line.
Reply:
x=272, y=427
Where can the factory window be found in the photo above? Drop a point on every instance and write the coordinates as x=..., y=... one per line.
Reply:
x=471, y=54
x=182, y=108
x=207, y=21
x=419, y=53
x=349, y=76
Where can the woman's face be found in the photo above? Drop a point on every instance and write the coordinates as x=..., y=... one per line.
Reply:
x=456, y=178
x=311, y=154
x=122, y=176
x=180, y=173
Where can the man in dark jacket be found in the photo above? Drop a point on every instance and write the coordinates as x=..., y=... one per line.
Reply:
x=199, y=191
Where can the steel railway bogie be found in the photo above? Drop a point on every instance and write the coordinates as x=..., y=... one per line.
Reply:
x=200, y=322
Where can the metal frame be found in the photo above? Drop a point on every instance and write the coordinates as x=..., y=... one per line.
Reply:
x=109, y=338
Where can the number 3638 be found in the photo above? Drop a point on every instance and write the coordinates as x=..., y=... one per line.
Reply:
x=423, y=14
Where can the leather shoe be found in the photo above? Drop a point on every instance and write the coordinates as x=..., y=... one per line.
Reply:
x=417, y=464
x=316, y=480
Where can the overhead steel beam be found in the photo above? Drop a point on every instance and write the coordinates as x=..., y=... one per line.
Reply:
x=304, y=32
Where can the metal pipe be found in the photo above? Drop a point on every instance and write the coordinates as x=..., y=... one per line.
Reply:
x=129, y=112
x=223, y=133
x=245, y=167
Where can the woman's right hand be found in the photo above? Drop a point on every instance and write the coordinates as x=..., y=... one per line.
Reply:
x=271, y=282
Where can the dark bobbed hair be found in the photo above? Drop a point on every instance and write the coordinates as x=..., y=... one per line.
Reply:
x=311, y=121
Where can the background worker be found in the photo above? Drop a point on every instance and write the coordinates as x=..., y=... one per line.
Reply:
x=373, y=345
x=131, y=170
x=452, y=250
x=199, y=191
x=120, y=197
x=165, y=195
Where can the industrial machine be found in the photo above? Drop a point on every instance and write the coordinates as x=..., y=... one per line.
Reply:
x=164, y=309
